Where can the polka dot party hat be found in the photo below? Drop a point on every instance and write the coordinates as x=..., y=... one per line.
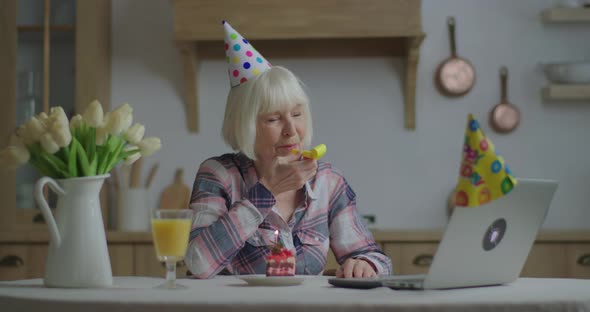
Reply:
x=483, y=175
x=244, y=61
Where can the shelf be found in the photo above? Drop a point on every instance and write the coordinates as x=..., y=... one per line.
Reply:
x=566, y=15
x=304, y=28
x=569, y=92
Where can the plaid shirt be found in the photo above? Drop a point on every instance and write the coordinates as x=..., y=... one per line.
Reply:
x=235, y=220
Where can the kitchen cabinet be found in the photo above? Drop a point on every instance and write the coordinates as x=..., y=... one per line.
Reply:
x=305, y=28
x=14, y=261
x=122, y=256
x=146, y=263
x=36, y=261
x=23, y=261
x=578, y=260
x=564, y=254
x=558, y=254
x=546, y=260
x=23, y=255
x=569, y=92
x=54, y=53
x=416, y=257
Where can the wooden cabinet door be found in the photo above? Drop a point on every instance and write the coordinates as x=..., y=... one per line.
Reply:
x=546, y=260
x=122, y=259
x=578, y=260
x=28, y=260
x=331, y=264
x=37, y=259
x=394, y=252
x=146, y=263
x=13, y=261
x=417, y=257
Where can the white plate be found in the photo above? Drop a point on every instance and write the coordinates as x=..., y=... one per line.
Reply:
x=263, y=280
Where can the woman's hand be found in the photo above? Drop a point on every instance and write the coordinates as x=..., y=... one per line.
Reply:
x=289, y=175
x=355, y=268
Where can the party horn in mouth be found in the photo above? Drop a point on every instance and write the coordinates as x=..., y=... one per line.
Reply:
x=315, y=153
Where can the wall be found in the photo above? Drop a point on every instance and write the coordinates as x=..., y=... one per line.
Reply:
x=405, y=178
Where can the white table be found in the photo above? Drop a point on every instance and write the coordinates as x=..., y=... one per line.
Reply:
x=228, y=293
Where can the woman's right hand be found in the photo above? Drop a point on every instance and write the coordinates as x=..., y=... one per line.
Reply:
x=289, y=175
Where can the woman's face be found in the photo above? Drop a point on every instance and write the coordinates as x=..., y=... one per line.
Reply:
x=277, y=133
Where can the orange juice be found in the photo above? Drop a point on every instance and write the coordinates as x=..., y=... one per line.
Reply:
x=171, y=238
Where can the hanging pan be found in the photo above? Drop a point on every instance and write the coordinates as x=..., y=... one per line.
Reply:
x=504, y=117
x=455, y=76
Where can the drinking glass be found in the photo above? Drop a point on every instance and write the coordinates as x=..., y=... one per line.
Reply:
x=171, y=230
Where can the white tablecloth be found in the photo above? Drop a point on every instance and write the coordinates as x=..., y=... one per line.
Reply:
x=228, y=293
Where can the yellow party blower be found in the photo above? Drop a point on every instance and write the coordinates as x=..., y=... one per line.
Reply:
x=315, y=153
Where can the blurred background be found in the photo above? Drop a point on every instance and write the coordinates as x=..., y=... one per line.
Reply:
x=402, y=176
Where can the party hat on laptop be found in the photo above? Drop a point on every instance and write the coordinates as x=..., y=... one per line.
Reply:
x=484, y=175
x=244, y=61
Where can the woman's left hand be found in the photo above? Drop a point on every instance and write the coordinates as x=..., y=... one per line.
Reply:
x=355, y=268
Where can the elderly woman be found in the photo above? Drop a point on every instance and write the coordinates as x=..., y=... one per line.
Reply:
x=241, y=199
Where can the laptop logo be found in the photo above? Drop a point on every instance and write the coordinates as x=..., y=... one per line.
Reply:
x=494, y=234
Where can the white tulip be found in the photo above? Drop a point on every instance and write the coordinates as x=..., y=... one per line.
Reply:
x=135, y=133
x=133, y=157
x=93, y=114
x=101, y=136
x=106, y=118
x=24, y=135
x=61, y=134
x=114, y=125
x=76, y=122
x=118, y=124
x=149, y=146
x=21, y=154
x=124, y=109
x=126, y=121
x=42, y=116
x=13, y=156
x=121, y=119
x=44, y=119
x=34, y=129
x=57, y=114
x=49, y=144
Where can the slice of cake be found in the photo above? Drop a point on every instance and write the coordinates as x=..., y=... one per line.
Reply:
x=280, y=262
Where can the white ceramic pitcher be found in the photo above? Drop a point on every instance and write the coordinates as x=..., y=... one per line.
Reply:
x=78, y=254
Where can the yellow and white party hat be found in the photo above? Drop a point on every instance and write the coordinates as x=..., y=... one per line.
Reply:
x=244, y=61
x=484, y=175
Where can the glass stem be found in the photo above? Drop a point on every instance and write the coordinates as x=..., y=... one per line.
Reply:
x=171, y=274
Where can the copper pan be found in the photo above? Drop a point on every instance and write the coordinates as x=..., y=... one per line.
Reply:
x=504, y=117
x=455, y=76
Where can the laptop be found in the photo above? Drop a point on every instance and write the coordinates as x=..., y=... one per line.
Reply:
x=482, y=246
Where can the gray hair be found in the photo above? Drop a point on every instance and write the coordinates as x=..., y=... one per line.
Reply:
x=268, y=92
